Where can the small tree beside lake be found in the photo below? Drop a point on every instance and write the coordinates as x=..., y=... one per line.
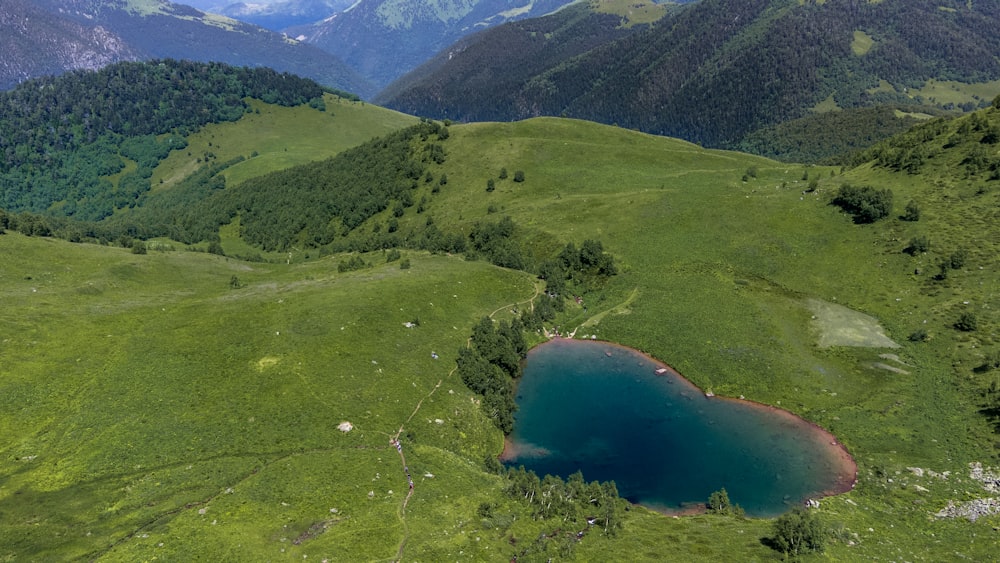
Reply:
x=719, y=503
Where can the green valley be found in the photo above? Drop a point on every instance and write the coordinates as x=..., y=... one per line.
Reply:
x=162, y=402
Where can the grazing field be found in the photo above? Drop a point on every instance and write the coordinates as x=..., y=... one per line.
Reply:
x=160, y=405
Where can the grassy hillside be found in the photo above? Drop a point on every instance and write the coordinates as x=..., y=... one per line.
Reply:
x=150, y=408
x=274, y=138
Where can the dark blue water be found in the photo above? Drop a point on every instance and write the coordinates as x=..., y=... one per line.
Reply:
x=602, y=409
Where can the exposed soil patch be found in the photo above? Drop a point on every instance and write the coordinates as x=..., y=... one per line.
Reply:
x=840, y=326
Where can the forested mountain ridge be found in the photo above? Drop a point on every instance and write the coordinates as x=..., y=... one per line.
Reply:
x=62, y=138
x=538, y=44
x=53, y=36
x=717, y=70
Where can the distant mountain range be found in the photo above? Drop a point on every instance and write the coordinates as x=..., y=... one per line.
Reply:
x=384, y=39
x=274, y=14
x=713, y=71
x=44, y=37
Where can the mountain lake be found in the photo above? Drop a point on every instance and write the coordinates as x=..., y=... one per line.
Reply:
x=616, y=414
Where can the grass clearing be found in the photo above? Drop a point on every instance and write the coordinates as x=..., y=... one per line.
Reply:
x=840, y=326
x=861, y=43
x=273, y=138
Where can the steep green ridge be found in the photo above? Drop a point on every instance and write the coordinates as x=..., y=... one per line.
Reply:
x=199, y=415
x=715, y=71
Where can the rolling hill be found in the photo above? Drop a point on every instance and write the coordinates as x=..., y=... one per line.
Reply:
x=716, y=71
x=156, y=402
x=47, y=37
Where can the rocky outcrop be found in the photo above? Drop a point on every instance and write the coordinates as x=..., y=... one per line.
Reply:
x=36, y=42
x=980, y=507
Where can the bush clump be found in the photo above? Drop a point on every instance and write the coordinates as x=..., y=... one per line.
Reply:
x=865, y=203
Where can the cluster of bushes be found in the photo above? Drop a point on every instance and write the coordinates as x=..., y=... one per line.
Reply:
x=495, y=241
x=353, y=264
x=578, y=507
x=491, y=363
x=573, y=500
x=865, y=203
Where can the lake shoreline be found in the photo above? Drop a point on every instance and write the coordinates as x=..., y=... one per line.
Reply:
x=846, y=467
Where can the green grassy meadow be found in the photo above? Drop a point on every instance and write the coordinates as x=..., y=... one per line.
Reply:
x=151, y=411
x=273, y=137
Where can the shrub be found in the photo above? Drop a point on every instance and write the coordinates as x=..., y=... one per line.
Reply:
x=518, y=175
x=918, y=244
x=797, y=532
x=912, y=212
x=503, y=174
x=215, y=247
x=919, y=335
x=138, y=247
x=957, y=259
x=967, y=322
x=943, y=268
x=353, y=264
x=490, y=185
x=718, y=503
x=991, y=361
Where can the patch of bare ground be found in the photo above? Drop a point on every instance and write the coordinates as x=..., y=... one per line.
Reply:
x=841, y=326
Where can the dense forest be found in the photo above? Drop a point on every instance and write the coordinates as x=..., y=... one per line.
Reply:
x=828, y=138
x=61, y=138
x=716, y=71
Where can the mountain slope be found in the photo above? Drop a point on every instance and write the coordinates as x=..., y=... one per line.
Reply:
x=37, y=42
x=717, y=70
x=50, y=32
x=383, y=39
x=488, y=66
x=282, y=14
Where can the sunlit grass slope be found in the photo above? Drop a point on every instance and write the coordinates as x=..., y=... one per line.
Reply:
x=272, y=138
x=149, y=410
